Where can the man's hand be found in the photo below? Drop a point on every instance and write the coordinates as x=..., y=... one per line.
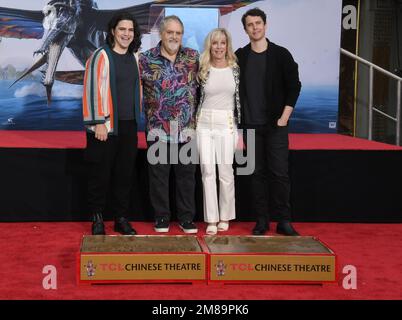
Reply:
x=101, y=132
x=283, y=120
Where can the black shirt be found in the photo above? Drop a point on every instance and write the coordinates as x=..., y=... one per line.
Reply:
x=126, y=79
x=256, y=111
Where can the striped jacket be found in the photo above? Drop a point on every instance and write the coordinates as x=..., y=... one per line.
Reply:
x=99, y=96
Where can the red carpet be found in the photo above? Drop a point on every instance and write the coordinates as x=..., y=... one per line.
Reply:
x=335, y=142
x=42, y=139
x=375, y=250
x=77, y=140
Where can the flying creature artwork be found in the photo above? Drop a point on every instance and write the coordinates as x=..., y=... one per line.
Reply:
x=79, y=26
x=43, y=51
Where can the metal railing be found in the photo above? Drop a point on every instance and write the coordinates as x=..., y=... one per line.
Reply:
x=373, y=109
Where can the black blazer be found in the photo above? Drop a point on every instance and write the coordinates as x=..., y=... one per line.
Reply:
x=282, y=82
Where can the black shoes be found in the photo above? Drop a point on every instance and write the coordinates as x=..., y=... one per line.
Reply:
x=188, y=227
x=261, y=227
x=98, y=228
x=286, y=229
x=161, y=225
x=123, y=226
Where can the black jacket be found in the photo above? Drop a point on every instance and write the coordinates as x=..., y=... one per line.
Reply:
x=282, y=82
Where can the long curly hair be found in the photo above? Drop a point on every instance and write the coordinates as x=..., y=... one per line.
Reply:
x=119, y=16
x=205, y=59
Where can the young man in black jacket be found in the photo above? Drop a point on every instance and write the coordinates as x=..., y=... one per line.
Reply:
x=269, y=89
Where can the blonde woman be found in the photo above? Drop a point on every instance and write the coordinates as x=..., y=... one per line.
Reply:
x=217, y=118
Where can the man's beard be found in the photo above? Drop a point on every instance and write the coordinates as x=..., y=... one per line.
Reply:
x=173, y=46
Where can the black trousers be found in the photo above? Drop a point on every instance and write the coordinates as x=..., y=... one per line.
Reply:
x=184, y=179
x=270, y=181
x=110, y=166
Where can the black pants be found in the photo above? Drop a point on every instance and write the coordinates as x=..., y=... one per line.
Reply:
x=270, y=182
x=110, y=169
x=184, y=178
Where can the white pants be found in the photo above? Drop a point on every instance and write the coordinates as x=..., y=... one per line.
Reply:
x=216, y=141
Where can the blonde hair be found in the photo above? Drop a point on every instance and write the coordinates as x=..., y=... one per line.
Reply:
x=205, y=59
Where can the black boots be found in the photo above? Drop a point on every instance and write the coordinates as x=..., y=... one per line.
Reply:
x=123, y=226
x=261, y=227
x=286, y=229
x=283, y=227
x=98, y=228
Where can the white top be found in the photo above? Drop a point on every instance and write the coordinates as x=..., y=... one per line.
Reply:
x=220, y=89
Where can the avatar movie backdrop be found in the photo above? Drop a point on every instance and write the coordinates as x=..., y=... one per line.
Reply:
x=44, y=45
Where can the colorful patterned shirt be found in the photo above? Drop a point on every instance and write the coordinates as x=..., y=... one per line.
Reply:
x=170, y=93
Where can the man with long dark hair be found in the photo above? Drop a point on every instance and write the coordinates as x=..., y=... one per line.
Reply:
x=111, y=104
